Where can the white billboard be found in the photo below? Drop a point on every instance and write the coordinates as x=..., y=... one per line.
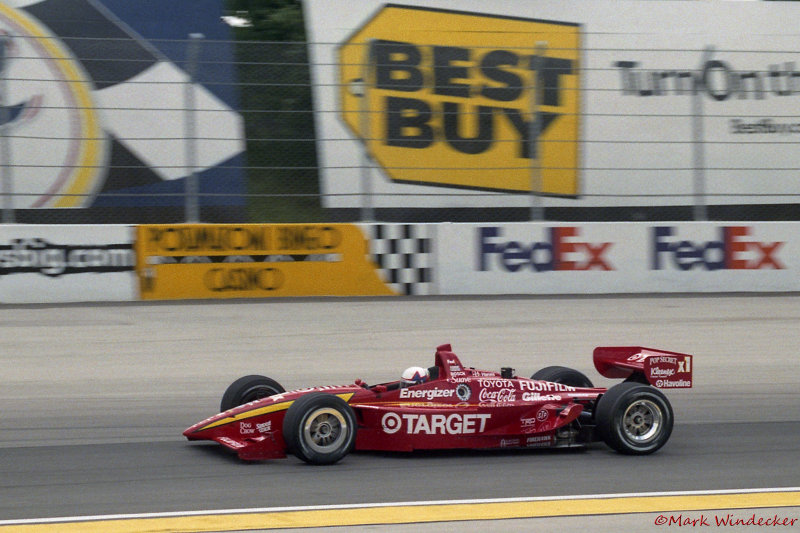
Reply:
x=607, y=258
x=638, y=103
x=47, y=264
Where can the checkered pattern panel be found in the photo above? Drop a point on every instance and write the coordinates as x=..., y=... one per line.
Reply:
x=403, y=253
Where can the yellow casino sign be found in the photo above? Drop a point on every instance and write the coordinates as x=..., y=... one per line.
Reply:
x=254, y=261
x=454, y=98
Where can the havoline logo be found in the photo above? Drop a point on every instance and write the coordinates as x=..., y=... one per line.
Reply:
x=446, y=97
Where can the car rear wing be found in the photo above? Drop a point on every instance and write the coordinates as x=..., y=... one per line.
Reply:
x=662, y=369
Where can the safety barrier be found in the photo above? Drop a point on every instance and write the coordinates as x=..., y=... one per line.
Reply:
x=48, y=264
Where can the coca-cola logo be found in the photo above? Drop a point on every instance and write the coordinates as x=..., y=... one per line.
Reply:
x=498, y=395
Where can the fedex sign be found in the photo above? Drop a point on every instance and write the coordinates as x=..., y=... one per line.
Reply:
x=562, y=250
x=734, y=249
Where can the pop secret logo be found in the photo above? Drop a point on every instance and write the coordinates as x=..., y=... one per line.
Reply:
x=667, y=372
x=452, y=92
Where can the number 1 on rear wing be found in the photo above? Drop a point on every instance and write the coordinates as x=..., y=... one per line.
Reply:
x=662, y=369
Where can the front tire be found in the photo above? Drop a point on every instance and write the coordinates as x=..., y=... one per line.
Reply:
x=634, y=419
x=320, y=428
x=247, y=389
x=563, y=375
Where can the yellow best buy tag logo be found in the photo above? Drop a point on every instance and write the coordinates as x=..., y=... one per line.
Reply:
x=448, y=98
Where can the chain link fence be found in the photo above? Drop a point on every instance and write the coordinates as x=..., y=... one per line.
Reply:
x=211, y=139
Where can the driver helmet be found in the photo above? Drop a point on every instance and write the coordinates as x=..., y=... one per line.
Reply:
x=414, y=375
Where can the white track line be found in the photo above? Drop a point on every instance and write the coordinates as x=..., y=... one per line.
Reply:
x=388, y=504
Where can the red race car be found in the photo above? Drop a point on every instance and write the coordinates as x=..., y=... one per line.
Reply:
x=449, y=406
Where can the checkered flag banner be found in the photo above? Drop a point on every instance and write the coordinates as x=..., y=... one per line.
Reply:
x=403, y=253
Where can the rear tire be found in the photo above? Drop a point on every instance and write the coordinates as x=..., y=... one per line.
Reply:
x=563, y=375
x=320, y=428
x=248, y=389
x=634, y=419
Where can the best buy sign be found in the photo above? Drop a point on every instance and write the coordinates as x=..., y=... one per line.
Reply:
x=445, y=98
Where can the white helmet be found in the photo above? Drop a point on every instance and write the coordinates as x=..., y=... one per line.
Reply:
x=414, y=375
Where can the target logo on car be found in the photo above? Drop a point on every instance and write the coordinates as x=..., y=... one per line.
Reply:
x=437, y=424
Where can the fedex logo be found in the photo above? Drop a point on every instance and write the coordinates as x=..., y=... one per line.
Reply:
x=562, y=251
x=733, y=251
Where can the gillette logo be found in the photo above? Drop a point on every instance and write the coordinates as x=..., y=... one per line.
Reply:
x=562, y=251
x=733, y=251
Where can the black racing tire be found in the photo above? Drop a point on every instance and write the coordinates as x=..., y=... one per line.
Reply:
x=634, y=419
x=249, y=388
x=320, y=428
x=563, y=375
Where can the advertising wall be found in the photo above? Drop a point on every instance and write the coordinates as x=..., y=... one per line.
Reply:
x=636, y=103
x=255, y=261
x=530, y=258
x=44, y=264
x=49, y=264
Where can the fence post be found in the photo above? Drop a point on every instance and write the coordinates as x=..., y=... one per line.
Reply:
x=367, y=208
x=534, y=132
x=5, y=142
x=192, y=189
x=698, y=144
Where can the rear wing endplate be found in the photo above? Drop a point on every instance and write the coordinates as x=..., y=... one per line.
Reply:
x=662, y=369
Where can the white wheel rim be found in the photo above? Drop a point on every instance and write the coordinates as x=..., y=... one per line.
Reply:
x=324, y=430
x=642, y=421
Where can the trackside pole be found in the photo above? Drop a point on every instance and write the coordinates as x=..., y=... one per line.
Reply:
x=367, y=207
x=192, y=188
x=537, y=60
x=5, y=142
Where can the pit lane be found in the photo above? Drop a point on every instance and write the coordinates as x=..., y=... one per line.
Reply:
x=94, y=398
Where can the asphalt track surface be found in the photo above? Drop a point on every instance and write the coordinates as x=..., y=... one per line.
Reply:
x=93, y=399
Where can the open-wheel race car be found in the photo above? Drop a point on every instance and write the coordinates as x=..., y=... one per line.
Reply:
x=450, y=406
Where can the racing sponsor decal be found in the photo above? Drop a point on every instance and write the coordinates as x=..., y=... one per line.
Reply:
x=669, y=371
x=539, y=441
x=638, y=357
x=415, y=424
x=496, y=383
x=456, y=108
x=495, y=405
x=230, y=442
x=542, y=415
x=509, y=443
x=428, y=394
x=497, y=395
x=536, y=397
x=544, y=386
x=463, y=392
x=528, y=425
x=264, y=427
x=246, y=428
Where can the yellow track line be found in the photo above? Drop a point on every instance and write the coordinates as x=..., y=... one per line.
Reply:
x=407, y=514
